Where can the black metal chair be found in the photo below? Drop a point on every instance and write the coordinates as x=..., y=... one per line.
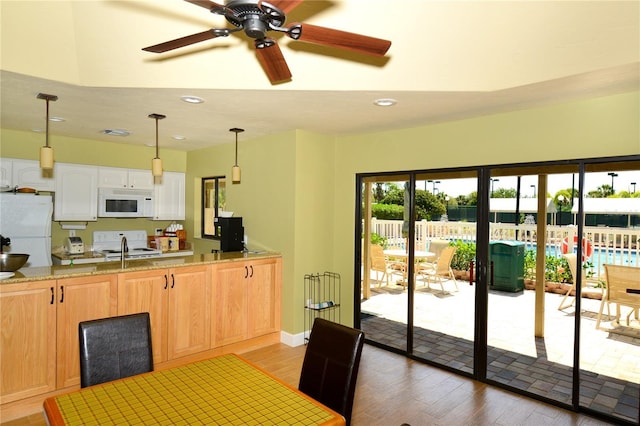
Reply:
x=330, y=366
x=113, y=348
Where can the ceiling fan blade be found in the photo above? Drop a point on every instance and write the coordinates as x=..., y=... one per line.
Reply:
x=272, y=60
x=181, y=42
x=207, y=4
x=339, y=39
x=286, y=5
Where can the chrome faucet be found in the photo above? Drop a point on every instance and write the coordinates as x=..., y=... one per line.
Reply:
x=123, y=249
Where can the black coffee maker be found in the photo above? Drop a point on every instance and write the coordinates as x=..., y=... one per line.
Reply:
x=231, y=233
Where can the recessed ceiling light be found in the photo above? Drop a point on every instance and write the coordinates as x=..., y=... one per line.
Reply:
x=56, y=119
x=37, y=130
x=385, y=102
x=178, y=137
x=192, y=99
x=115, y=132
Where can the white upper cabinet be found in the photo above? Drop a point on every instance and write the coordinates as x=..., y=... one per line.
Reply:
x=113, y=177
x=76, y=192
x=28, y=174
x=25, y=174
x=169, y=196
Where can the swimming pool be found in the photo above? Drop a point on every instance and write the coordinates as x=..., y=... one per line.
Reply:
x=601, y=256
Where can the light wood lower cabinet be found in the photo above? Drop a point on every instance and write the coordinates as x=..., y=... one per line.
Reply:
x=80, y=299
x=246, y=300
x=27, y=340
x=194, y=310
x=39, y=346
x=147, y=291
x=178, y=302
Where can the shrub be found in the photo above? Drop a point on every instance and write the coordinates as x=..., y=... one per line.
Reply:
x=556, y=268
x=530, y=264
x=378, y=239
x=387, y=211
x=465, y=253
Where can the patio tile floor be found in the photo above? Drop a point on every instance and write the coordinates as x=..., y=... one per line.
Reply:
x=443, y=333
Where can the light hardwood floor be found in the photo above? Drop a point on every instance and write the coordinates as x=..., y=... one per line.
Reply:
x=393, y=390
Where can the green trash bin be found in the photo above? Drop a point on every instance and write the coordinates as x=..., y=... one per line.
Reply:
x=507, y=265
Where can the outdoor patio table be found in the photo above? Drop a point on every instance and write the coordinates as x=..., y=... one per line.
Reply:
x=418, y=255
x=222, y=390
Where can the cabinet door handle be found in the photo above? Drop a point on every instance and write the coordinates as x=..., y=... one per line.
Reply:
x=173, y=281
x=52, y=296
x=246, y=272
x=251, y=266
x=61, y=293
x=166, y=282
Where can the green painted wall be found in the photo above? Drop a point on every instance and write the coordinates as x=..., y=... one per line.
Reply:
x=298, y=189
x=285, y=199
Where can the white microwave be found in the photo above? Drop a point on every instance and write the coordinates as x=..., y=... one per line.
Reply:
x=114, y=202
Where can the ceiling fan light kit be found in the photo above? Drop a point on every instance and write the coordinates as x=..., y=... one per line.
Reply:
x=235, y=170
x=256, y=18
x=156, y=163
x=46, y=152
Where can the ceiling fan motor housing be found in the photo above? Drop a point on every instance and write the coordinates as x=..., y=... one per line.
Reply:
x=255, y=28
x=253, y=16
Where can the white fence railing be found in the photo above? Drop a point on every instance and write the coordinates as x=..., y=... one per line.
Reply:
x=620, y=246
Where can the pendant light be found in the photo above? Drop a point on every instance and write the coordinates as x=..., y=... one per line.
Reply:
x=156, y=163
x=46, y=152
x=235, y=170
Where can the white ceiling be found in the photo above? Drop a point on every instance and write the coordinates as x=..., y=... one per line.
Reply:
x=448, y=60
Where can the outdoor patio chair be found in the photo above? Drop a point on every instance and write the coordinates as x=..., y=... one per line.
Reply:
x=441, y=271
x=436, y=247
x=623, y=288
x=379, y=263
x=587, y=286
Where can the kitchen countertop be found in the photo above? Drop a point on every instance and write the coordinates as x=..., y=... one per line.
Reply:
x=67, y=271
x=86, y=257
x=63, y=258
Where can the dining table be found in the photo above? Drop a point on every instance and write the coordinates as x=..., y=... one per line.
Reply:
x=225, y=390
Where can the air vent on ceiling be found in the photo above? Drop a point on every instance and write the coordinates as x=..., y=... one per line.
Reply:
x=115, y=132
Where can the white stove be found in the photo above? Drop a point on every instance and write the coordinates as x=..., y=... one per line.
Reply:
x=109, y=243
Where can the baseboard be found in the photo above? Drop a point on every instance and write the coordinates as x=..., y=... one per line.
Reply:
x=292, y=340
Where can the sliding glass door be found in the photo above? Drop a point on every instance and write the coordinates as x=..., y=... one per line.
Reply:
x=531, y=327
x=444, y=292
x=384, y=289
x=529, y=300
x=416, y=287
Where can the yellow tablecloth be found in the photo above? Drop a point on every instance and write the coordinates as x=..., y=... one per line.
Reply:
x=225, y=390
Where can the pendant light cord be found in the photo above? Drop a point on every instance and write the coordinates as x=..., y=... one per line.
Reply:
x=157, y=117
x=47, y=98
x=236, y=163
x=46, y=138
x=157, y=153
x=236, y=130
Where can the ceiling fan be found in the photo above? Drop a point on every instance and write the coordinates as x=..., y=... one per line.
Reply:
x=257, y=17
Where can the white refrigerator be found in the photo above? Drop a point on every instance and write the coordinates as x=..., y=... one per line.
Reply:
x=26, y=220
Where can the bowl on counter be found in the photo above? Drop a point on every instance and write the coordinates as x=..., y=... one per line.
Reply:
x=225, y=214
x=11, y=262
